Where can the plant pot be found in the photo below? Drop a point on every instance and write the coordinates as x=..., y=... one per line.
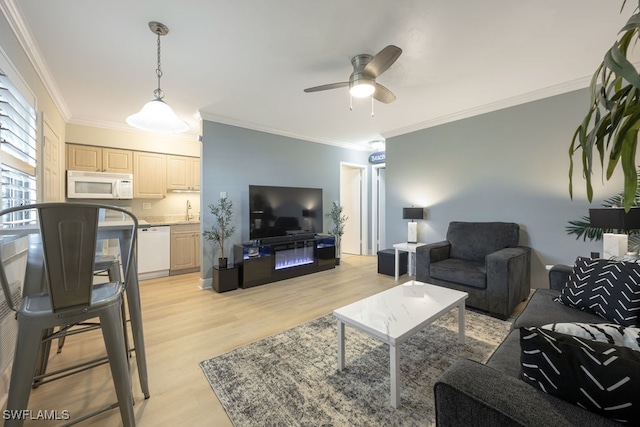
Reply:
x=337, y=261
x=222, y=262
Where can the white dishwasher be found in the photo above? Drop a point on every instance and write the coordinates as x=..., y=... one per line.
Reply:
x=154, y=253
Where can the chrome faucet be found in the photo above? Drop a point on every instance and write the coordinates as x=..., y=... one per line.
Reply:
x=189, y=215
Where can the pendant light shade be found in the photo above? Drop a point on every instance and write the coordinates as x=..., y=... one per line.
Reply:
x=156, y=115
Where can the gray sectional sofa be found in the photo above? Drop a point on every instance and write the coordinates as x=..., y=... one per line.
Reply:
x=473, y=394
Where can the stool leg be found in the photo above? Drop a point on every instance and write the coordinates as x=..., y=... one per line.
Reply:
x=110, y=321
x=135, y=315
x=24, y=365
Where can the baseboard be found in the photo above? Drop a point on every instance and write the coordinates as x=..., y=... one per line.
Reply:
x=206, y=283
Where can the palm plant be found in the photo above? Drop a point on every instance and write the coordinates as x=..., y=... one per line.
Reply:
x=613, y=120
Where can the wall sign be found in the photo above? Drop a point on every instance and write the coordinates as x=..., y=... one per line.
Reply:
x=377, y=158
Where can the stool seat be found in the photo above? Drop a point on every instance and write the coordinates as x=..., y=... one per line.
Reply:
x=387, y=262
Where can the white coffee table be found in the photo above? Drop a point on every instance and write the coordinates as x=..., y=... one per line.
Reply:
x=395, y=315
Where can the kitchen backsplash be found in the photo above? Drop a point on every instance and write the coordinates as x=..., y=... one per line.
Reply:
x=171, y=209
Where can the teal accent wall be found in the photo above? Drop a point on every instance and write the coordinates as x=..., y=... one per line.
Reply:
x=508, y=165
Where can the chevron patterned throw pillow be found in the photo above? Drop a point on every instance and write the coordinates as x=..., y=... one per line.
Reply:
x=602, y=332
x=610, y=289
x=601, y=377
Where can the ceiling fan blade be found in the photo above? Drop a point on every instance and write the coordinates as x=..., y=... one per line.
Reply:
x=327, y=87
x=382, y=61
x=383, y=94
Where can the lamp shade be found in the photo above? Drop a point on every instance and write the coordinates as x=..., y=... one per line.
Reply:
x=412, y=213
x=615, y=218
x=157, y=116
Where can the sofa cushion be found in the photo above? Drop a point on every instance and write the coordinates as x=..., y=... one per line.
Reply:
x=541, y=310
x=506, y=358
x=470, y=273
x=610, y=289
x=475, y=240
x=601, y=377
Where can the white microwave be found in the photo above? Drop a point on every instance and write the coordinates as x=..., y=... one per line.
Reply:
x=99, y=185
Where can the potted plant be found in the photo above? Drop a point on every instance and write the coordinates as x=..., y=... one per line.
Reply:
x=339, y=220
x=613, y=120
x=222, y=228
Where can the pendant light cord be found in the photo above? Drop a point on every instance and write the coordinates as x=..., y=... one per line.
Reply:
x=159, y=94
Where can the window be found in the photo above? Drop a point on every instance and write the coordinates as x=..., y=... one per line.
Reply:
x=18, y=146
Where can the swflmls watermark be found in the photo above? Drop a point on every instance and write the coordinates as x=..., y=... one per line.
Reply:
x=43, y=414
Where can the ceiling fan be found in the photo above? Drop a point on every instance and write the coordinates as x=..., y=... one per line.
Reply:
x=362, y=82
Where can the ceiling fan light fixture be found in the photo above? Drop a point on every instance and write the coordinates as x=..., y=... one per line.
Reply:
x=156, y=115
x=361, y=88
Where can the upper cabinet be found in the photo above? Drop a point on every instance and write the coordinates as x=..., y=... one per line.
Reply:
x=84, y=158
x=149, y=175
x=183, y=173
x=115, y=160
x=153, y=173
x=99, y=159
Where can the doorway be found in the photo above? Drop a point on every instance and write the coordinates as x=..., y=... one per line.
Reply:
x=353, y=199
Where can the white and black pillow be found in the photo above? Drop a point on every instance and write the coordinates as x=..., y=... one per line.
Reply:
x=601, y=377
x=610, y=289
x=603, y=332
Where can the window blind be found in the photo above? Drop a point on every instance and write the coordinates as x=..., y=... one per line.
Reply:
x=18, y=178
x=18, y=147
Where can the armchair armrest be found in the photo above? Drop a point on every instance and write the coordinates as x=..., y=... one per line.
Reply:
x=508, y=274
x=426, y=254
x=471, y=394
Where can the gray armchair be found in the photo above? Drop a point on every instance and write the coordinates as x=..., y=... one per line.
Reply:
x=482, y=259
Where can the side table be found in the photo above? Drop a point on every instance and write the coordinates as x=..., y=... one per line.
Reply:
x=225, y=279
x=408, y=247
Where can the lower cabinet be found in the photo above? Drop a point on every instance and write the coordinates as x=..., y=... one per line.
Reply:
x=185, y=248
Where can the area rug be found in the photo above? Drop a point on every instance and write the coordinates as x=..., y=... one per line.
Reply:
x=291, y=378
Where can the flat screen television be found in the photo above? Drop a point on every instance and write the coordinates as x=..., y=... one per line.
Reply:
x=283, y=211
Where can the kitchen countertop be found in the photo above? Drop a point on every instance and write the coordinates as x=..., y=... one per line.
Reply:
x=157, y=220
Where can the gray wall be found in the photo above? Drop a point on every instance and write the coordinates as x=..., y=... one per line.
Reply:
x=509, y=165
x=234, y=158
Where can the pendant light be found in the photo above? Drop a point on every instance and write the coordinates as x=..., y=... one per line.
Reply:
x=156, y=115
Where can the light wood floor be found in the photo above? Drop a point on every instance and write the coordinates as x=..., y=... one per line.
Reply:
x=184, y=325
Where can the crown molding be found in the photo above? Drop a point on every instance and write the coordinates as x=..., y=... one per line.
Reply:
x=524, y=98
x=21, y=30
x=126, y=128
x=247, y=125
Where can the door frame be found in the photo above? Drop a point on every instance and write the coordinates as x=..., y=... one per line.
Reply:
x=374, y=209
x=364, y=203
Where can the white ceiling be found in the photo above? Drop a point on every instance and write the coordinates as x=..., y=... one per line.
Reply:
x=247, y=62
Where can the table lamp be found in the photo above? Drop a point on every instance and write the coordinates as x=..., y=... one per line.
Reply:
x=615, y=245
x=412, y=214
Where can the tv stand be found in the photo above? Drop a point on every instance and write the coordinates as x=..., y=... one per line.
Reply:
x=283, y=257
